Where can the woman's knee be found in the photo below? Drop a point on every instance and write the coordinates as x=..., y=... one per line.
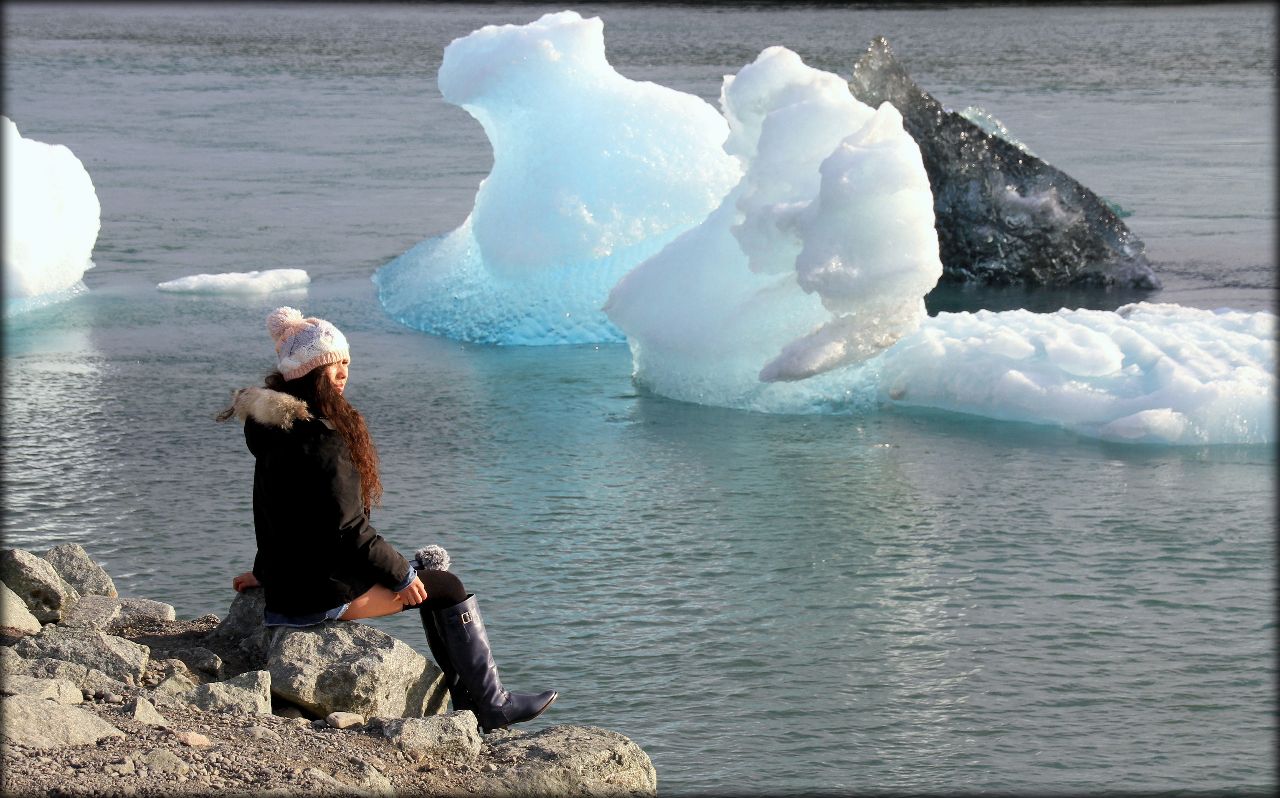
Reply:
x=443, y=588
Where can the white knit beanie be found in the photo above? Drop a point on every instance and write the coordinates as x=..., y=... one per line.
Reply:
x=304, y=344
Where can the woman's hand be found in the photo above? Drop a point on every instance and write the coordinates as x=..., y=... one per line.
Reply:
x=244, y=581
x=414, y=594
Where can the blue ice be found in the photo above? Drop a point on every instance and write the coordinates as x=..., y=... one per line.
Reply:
x=775, y=255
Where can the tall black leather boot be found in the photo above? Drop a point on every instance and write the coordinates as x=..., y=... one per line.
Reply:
x=440, y=653
x=464, y=636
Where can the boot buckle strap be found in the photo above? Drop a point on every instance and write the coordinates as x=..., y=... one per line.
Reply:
x=466, y=618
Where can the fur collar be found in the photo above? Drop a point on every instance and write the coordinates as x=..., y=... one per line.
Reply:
x=269, y=408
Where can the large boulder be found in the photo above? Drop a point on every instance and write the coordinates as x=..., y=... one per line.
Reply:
x=75, y=565
x=115, y=656
x=61, y=691
x=15, y=618
x=453, y=737
x=39, y=723
x=570, y=761
x=90, y=679
x=1003, y=216
x=48, y=596
x=248, y=693
x=242, y=629
x=93, y=612
x=135, y=610
x=350, y=667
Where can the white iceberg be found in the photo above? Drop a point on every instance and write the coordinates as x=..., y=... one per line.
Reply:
x=51, y=221
x=592, y=173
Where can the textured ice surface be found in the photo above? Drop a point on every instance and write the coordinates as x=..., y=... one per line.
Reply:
x=1146, y=373
x=819, y=258
x=592, y=173
x=257, y=282
x=51, y=221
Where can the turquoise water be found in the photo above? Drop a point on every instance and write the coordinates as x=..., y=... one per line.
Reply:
x=767, y=604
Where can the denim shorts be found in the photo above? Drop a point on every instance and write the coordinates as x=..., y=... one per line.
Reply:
x=270, y=618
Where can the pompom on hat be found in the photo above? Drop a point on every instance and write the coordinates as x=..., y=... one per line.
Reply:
x=304, y=344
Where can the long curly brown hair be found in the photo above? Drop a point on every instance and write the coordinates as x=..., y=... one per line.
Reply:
x=325, y=401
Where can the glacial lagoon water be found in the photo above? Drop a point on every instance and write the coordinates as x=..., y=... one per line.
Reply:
x=881, y=601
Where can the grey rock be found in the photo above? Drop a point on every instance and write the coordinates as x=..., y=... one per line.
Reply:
x=319, y=782
x=11, y=661
x=75, y=565
x=48, y=596
x=88, y=679
x=173, y=666
x=1003, y=216
x=242, y=628
x=38, y=723
x=144, y=711
x=48, y=668
x=93, y=612
x=249, y=692
x=123, y=768
x=95, y=681
x=350, y=667
x=162, y=760
x=262, y=733
x=133, y=610
x=115, y=656
x=369, y=780
x=344, y=720
x=175, y=685
x=206, y=662
x=14, y=614
x=453, y=737
x=571, y=761
x=63, y=691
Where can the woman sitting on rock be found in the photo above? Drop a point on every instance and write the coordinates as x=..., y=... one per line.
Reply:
x=319, y=559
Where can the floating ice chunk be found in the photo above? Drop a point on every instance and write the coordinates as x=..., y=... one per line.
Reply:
x=592, y=173
x=1146, y=373
x=819, y=258
x=256, y=282
x=51, y=221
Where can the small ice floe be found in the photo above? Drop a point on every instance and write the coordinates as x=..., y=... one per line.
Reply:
x=258, y=282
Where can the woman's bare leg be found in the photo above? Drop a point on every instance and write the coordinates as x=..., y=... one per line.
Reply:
x=377, y=601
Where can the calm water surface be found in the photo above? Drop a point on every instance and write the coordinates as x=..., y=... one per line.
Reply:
x=767, y=604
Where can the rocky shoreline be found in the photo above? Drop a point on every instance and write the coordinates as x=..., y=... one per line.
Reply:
x=106, y=696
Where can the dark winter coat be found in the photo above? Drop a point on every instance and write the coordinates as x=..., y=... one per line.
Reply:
x=316, y=547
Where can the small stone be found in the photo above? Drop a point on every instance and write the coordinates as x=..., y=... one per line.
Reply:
x=193, y=739
x=122, y=768
x=300, y=722
x=163, y=760
x=344, y=720
x=145, y=712
x=289, y=712
x=260, y=733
